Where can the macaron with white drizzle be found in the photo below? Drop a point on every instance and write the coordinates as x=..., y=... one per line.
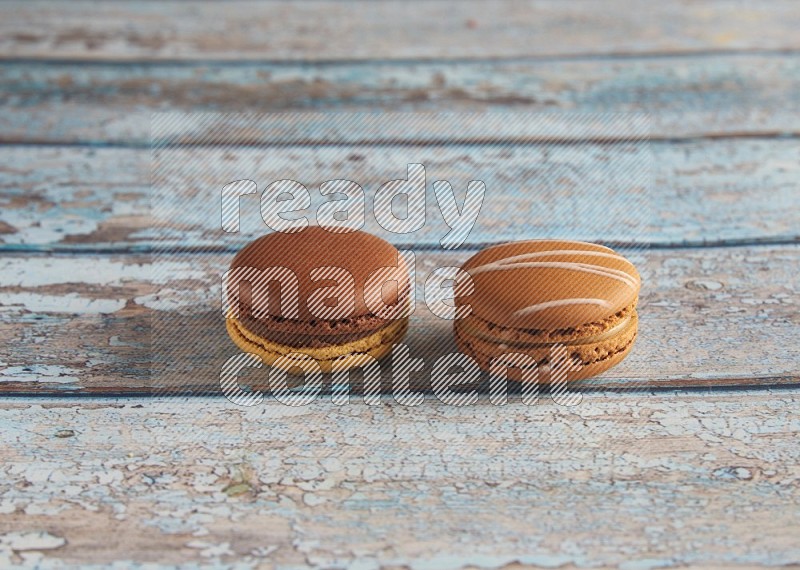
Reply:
x=528, y=297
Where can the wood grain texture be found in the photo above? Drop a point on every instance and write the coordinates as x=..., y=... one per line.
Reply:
x=721, y=191
x=663, y=480
x=336, y=30
x=82, y=324
x=686, y=97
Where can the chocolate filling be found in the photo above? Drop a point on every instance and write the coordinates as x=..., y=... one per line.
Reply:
x=308, y=334
x=505, y=334
x=575, y=356
x=314, y=333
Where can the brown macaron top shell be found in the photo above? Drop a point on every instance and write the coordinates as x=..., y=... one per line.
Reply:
x=357, y=252
x=548, y=284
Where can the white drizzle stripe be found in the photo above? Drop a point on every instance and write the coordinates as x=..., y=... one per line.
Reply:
x=532, y=255
x=569, y=265
x=560, y=303
x=530, y=241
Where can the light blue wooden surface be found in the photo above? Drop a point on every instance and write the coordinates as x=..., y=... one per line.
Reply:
x=321, y=30
x=684, y=456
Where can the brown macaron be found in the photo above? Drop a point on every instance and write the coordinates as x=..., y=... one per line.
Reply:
x=330, y=296
x=531, y=296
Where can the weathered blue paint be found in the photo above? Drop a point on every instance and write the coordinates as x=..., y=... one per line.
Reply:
x=686, y=96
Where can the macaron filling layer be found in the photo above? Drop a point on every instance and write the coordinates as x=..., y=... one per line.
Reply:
x=586, y=334
x=271, y=350
x=314, y=332
x=308, y=334
x=589, y=350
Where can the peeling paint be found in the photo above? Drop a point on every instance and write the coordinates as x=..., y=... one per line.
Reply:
x=40, y=373
x=70, y=303
x=37, y=272
x=217, y=484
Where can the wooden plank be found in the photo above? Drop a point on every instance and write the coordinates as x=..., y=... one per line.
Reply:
x=687, y=480
x=53, y=195
x=686, y=97
x=96, y=316
x=701, y=192
x=336, y=30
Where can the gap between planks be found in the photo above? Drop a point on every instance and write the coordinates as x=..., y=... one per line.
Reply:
x=139, y=145
x=316, y=63
x=130, y=249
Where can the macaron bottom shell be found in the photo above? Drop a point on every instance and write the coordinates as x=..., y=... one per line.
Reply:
x=591, y=356
x=377, y=344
